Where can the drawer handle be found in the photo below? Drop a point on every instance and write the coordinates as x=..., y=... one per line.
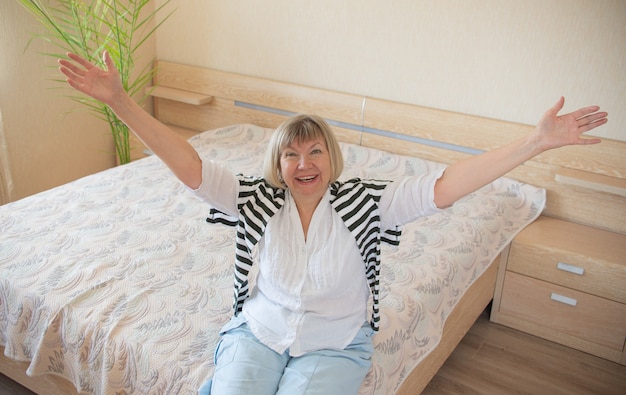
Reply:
x=563, y=299
x=566, y=267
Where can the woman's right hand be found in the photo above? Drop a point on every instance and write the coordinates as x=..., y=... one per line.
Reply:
x=106, y=86
x=103, y=85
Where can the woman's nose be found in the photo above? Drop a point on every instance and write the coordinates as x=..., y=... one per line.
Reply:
x=303, y=163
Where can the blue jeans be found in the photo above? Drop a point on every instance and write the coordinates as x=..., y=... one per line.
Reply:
x=243, y=365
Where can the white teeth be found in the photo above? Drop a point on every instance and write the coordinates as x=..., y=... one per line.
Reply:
x=306, y=178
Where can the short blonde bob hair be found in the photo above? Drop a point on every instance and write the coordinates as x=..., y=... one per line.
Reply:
x=300, y=128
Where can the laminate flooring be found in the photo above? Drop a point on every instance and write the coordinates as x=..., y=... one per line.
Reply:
x=493, y=359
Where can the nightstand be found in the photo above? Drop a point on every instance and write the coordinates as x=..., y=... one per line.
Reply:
x=566, y=282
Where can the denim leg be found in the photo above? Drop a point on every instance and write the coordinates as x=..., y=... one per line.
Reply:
x=328, y=372
x=245, y=366
x=205, y=388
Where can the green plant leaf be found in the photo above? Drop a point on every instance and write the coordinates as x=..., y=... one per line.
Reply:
x=87, y=28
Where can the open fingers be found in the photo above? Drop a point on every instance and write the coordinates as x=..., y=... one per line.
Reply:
x=80, y=60
x=584, y=112
x=591, y=118
x=591, y=121
x=69, y=67
x=588, y=140
x=74, y=80
x=558, y=106
x=594, y=122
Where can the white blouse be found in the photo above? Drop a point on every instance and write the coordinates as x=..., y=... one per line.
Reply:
x=312, y=294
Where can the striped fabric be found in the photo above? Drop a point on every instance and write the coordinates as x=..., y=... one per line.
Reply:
x=356, y=202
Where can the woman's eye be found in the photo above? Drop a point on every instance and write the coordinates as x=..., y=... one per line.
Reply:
x=316, y=151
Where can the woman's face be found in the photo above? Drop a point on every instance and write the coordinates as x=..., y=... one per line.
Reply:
x=306, y=170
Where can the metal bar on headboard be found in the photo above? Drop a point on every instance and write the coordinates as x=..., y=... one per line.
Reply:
x=363, y=129
x=423, y=141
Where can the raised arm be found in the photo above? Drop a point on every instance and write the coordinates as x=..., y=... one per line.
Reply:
x=553, y=131
x=106, y=86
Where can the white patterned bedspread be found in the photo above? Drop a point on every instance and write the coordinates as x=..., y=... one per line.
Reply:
x=116, y=282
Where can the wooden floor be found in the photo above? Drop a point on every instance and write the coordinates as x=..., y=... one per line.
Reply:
x=493, y=359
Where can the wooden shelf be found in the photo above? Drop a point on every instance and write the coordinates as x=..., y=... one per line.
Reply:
x=179, y=95
x=597, y=182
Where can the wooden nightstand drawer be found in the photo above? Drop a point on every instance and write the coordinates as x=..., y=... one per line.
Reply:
x=572, y=255
x=570, y=270
x=586, y=322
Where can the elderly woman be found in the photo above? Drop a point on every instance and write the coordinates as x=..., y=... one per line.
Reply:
x=304, y=328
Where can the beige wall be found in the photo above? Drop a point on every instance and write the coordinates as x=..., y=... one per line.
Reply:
x=45, y=139
x=503, y=59
x=45, y=147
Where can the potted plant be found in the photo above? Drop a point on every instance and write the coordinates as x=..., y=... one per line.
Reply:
x=87, y=28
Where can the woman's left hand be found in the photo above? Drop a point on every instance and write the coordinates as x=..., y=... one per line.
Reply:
x=554, y=131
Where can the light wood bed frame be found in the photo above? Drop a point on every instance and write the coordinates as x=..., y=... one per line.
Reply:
x=585, y=184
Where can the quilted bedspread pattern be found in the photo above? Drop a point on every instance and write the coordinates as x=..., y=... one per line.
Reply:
x=117, y=283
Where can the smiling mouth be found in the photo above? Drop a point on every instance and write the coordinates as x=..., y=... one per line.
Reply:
x=306, y=179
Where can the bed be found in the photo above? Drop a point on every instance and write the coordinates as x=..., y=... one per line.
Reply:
x=115, y=283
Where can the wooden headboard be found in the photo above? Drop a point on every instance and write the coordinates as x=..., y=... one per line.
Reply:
x=585, y=184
